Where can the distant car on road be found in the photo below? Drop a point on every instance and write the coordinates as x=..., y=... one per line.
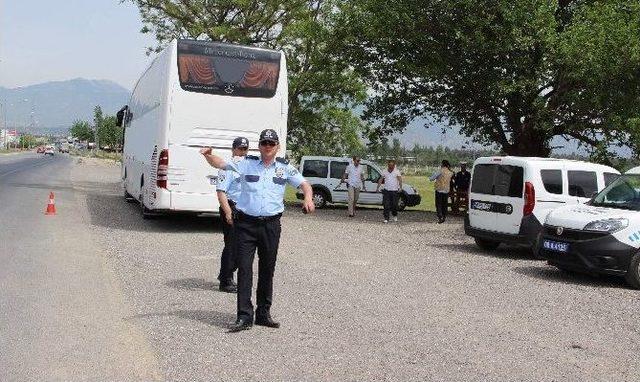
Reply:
x=49, y=150
x=63, y=148
x=40, y=149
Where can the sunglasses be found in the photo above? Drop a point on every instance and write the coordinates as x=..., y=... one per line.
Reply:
x=268, y=143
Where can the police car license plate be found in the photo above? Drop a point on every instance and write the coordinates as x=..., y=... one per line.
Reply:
x=556, y=246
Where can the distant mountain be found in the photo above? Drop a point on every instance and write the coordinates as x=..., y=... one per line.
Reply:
x=55, y=105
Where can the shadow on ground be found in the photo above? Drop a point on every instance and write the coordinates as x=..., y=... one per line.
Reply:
x=553, y=274
x=210, y=317
x=193, y=284
x=503, y=252
x=111, y=211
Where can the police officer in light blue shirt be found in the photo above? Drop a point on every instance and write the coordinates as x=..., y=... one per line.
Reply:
x=257, y=226
x=228, y=190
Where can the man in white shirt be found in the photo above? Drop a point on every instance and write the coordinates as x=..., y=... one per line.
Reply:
x=355, y=181
x=392, y=186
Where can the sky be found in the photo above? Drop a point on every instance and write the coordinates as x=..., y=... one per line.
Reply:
x=52, y=40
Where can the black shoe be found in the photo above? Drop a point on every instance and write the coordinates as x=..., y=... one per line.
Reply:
x=240, y=325
x=228, y=286
x=267, y=321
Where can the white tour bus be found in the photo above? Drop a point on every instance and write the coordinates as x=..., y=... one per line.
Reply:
x=197, y=94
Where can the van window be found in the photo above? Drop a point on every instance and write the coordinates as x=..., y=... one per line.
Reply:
x=500, y=180
x=508, y=181
x=609, y=177
x=315, y=168
x=337, y=169
x=482, y=182
x=552, y=180
x=582, y=183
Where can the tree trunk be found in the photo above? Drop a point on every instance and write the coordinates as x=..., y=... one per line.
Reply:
x=529, y=142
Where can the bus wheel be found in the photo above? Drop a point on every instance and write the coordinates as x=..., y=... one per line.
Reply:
x=128, y=198
x=146, y=213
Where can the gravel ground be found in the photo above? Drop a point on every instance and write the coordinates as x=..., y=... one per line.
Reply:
x=361, y=300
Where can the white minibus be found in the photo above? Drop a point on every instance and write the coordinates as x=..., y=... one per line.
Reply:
x=197, y=94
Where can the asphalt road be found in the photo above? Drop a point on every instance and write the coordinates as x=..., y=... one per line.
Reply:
x=60, y=307
x=98, y=293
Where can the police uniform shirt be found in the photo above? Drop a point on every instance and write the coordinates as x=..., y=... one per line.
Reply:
x=263, y=187
x=229, y=182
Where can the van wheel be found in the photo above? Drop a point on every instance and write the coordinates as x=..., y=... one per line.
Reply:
x=487, y=245
x=402, y=202
x=633, y=273
x=319, y=198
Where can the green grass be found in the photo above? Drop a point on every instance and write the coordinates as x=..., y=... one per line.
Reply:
x=420, y=183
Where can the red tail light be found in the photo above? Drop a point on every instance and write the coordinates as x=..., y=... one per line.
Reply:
x=529, y=198
x=163, y=169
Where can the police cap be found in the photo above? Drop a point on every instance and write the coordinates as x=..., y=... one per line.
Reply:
x=240, y=142
x=269, y=135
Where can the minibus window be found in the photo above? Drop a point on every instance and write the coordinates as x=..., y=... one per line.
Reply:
x=582, y=183
x=552, y=180
x=315, y=168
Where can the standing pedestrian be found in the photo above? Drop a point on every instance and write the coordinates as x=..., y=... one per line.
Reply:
x=461, y=181
x=442, y=188
x=260, y=206
x=392, y=186
x=355, y=182
x=228, y=191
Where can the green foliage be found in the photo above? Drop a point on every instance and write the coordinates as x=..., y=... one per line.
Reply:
x=322, y=86
x=512, y=72
x=81, y=130
x=27, y=141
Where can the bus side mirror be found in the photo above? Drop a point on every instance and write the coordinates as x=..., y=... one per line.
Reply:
x=121, y=116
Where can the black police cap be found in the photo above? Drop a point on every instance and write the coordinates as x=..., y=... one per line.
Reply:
x=240, y=142
x=269, y=135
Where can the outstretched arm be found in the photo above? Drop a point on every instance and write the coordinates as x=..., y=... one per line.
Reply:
x=212, y=159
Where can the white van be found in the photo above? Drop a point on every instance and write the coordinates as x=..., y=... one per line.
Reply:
x=510, y=197
x=602, y=236
x=196, y=94
x=324, y=173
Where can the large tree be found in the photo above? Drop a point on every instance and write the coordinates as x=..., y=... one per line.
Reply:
x=322, y=87
x=515, y=73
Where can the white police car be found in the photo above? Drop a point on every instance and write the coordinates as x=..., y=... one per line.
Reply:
x=602, y=236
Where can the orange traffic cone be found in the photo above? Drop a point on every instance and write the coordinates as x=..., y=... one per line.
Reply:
x=51, y=207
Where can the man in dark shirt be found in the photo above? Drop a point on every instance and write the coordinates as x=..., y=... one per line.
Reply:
x=462, y=178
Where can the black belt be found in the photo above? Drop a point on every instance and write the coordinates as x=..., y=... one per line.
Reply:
x=251, y=218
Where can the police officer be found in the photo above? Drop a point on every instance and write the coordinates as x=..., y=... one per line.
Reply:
x=260, y=205
x=228, y=192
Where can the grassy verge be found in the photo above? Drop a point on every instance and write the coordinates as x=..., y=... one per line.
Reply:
x=420, y=183
x=116, y=157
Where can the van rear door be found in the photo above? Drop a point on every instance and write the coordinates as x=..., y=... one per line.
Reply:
x=508, y=193
x=496, y=198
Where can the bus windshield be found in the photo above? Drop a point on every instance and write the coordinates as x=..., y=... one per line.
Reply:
x=225, y=69
x=623, y=193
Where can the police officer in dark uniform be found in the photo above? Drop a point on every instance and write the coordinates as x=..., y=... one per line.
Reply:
x=228, y=191
x=257, y=226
